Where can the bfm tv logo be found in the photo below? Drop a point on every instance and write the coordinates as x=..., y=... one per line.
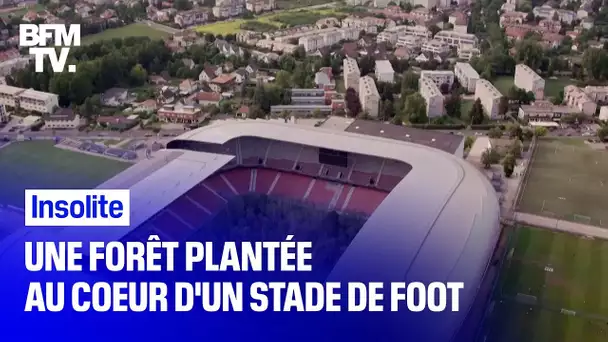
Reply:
x=36, y=38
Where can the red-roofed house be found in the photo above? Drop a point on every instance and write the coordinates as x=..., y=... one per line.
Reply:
x=206, y=98
x=552, y=40
x=243, y=112
x=30, y=16
x=515, y=32
x=222, y=82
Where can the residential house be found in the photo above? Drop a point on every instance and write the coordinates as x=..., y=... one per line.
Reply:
x=222, y=83
x=209, y=73
x=179, y=113
x=114, y=97
x=187, y=87
x=62, y=118
x=205, y=98
x=228, y=49
x=192, y=17
x=240, y=75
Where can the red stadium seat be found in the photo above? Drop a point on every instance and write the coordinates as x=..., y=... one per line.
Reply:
x=192, y=214
x=240, y=179
x=364, y=200
x=346, y=189
x=170, y=227
x=291, y=185
x=322, y=193
x=219, y=185
x=206, y=198
x=264, y=179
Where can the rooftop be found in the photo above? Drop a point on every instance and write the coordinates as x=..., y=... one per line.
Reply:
x=442, y=141
x=37, y=95
x=384, y=66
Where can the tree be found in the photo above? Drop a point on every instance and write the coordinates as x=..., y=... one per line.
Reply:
x=468, y=142
x=283, y=79
x=409, y=81
x=434, y=29
x=414, y=108
x=453, y=106
x=476, y=114
x=515, y=149
x=367, y=64
x=444, y=88
x=486, y=158
x=540, y=131
x=495, y=133
x=530, y=17
x=388, y=110
x=352, y=102
x=515, y=131
x=508, y=165
x=503, y=106
x=602, y=133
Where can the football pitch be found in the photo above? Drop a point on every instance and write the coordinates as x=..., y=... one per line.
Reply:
x=567, y=181
x=553, y=288
x=40, y=165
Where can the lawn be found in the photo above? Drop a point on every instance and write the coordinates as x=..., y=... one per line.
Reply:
x=465, y=107
x=553, y=288
x=275, y=19
x=19, y=12
x=552, y=85
x=38, y=164
x=568, y=181
x=133, y=30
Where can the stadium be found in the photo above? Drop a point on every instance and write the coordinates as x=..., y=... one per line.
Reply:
x=407, y=193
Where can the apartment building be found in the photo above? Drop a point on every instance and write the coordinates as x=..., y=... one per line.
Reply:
x=432, y=95
x=597, y=93
x=258, y=6
x=439, y=77
x=312, y=43
x=369, y=96
x=410, y=42
x=387, y=37
x=436, y=46
x=384, y=71
x=455, y=39
x=466, y=52
x=466, y=76
x=576, y=97
x=351, y=72
x=529, y=80
x=417, y=31
x=547, y=12
x=38, y=101
x=178, y=113
x=191, y=17
x=9, y=96
x=489, y=97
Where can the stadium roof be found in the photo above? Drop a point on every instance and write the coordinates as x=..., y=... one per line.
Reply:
x=440, y=223
x=443, y=141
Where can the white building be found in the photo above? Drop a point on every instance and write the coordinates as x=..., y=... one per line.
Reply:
x=63, y=118
x=439, y=76
x=529, y=80
x=455, y=39
x=417, y=31
x=432, y=95
x=387, y=37
x=369, y=96
x=467, y=76
x=312, y=43
x=384, y=71
x=436, y=46
x=547, y=12
x=38, y=101
x=351, y=72
x=576, y=97
x=597, y=93
x=410, y=42
x=9, y=96
x=604, y=113
x=489, y=97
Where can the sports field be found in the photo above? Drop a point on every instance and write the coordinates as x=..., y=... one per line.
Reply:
x=133, y=30
x=38, y=164
x=568, y=180
x=553, y=288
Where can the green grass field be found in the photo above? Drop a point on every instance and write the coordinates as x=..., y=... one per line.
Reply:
x=567, y=180
x=38, y=164
x=19, y=12
x=552, y=85
x=234, y=26
x=133, y=30
x=547, y=272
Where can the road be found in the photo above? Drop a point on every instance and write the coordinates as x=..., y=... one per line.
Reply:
x=561, y=225
x=90, y=135
x=161, y=27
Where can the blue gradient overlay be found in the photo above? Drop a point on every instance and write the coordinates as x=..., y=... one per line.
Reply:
x=220, y=326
